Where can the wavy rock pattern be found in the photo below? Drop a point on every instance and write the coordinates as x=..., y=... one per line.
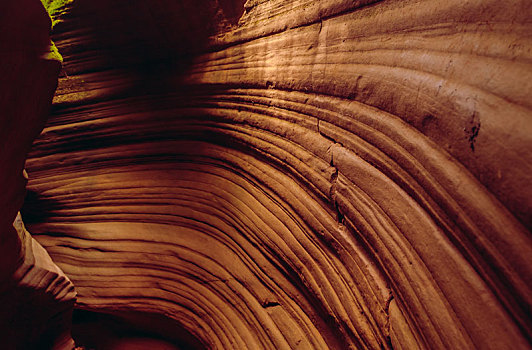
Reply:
x=323, y=174
x=37, y=300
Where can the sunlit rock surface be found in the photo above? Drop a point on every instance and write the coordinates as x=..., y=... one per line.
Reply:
x=293, y=174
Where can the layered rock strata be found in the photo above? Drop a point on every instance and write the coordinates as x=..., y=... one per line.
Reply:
x=321, y=174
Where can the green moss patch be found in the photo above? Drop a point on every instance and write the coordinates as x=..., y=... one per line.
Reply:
x=55, y=9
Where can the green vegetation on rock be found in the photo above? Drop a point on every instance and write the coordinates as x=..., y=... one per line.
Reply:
x=55, y=9
x=53, y=53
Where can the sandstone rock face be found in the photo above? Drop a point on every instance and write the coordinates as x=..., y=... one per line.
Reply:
x=37, y=300
x=36, y=297
x=320, y=174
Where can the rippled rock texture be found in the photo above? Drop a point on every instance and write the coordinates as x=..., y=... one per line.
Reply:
x=295, y=174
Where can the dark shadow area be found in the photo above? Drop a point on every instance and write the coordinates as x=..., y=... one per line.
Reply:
x=233, y=10
x=152, y=42
x=37, y=208
x=131, y=330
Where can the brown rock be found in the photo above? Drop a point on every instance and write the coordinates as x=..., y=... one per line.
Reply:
x=36, y=297
x=316, y=174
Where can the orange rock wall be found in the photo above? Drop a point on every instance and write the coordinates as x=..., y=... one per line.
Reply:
x=321, y=174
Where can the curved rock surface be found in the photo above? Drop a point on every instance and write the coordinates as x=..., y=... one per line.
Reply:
x=321, y=174
x=36, y=297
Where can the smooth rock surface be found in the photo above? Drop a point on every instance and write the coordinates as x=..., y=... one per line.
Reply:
x=36, y=297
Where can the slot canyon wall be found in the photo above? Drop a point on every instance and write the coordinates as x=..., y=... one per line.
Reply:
x=274, y=174
x=36, y=297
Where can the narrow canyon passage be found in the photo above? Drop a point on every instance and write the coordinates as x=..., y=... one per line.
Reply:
x=268, y=174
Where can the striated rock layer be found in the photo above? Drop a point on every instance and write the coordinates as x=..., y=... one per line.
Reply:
x=321, y=174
